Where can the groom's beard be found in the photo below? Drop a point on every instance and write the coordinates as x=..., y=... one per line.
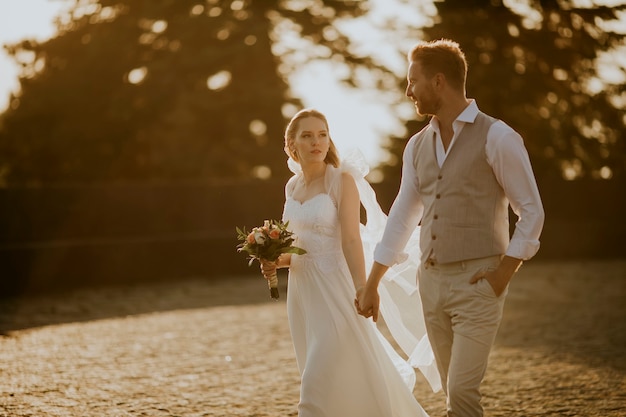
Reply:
x=429, y=104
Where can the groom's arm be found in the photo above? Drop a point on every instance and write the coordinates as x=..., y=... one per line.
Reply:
x=404, y=216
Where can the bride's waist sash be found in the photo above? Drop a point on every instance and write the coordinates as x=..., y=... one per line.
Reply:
x=326, y=259
x=312, y=255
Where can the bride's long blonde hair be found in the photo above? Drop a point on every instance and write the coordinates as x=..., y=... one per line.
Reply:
x=332, y=157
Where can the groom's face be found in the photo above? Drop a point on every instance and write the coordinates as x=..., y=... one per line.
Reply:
x=421, y=91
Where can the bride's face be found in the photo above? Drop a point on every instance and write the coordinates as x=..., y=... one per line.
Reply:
x=312, y=140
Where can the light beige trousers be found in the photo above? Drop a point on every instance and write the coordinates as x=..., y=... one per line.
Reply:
x=462, y=320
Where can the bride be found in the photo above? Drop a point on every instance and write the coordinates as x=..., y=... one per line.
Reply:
x=347, y=367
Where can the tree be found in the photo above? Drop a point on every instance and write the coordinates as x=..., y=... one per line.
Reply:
x=537, y=69
x=163, y=89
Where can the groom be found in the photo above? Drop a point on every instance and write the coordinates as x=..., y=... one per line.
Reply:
x=459, y=175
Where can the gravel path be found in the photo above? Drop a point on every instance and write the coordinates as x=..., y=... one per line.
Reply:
x=221, y=348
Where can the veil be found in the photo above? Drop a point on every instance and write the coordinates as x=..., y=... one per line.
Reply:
x=400, y=304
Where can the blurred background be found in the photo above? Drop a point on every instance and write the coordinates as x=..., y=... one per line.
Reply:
x=136, y=135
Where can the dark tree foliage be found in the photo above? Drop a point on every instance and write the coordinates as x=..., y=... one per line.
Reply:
x=161, y=90
x=532, y=71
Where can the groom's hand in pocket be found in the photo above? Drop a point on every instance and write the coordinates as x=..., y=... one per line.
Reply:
x=500, y=277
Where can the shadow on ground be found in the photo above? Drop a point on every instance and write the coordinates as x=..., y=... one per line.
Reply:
x=23, y=312
x=572, y=309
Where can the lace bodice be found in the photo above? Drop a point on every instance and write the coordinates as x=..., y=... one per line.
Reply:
x=316, y=227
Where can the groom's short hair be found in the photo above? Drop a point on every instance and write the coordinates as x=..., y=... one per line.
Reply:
x=442, y=56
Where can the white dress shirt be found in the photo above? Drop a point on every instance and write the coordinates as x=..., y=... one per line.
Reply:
x=511, y=166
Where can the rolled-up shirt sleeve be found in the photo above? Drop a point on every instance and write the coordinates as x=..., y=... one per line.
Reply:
x=511, y=165
x=404, y=216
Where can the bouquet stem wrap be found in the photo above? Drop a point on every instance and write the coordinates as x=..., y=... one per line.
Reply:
x=272, y=282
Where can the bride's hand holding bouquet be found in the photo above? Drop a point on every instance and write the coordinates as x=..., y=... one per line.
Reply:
x=266, y=243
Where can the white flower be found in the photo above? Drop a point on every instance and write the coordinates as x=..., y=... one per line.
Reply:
x=259, y=237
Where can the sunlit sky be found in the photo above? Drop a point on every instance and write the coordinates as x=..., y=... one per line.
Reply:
x=21, y=19
x=357, y=119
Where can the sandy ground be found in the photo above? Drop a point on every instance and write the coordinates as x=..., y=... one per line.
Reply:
x=222, y=348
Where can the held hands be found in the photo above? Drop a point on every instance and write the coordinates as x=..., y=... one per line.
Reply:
x=367, y=302
x=359, y=291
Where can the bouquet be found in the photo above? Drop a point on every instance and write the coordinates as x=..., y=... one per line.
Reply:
x=268, y=242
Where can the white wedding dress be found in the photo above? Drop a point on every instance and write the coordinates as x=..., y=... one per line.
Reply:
x=347, y=367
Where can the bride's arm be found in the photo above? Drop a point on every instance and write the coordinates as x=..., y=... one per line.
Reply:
x=349, y=219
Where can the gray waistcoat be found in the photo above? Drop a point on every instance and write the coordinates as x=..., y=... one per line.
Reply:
x=465, y=209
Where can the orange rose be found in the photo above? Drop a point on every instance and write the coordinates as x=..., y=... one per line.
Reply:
x=250, y=238
x=274, y=234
